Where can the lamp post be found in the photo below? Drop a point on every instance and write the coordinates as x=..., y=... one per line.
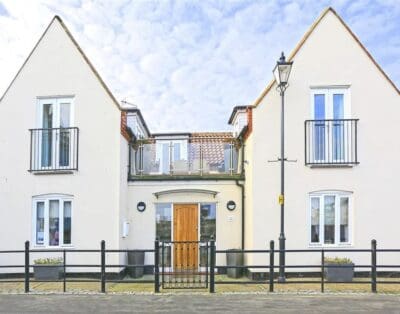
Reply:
x=281, y=73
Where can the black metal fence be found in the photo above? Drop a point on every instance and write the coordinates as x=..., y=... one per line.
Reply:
x=271, y=280
x=101, y=266
x=54, y=149
x=184, y=264
x=331, y=142
x=160, y=263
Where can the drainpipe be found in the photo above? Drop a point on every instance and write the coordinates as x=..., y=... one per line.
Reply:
x=241, y=185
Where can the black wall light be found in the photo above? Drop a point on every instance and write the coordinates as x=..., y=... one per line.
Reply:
x=141, y=206
x=231, y=205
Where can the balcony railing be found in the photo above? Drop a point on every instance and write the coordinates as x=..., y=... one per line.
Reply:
x=331, y=142
x=54, y=149
x=195, y=157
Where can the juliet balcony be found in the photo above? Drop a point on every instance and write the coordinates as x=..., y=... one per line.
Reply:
x=199, y=157
x=54, y=150
x=331, y=142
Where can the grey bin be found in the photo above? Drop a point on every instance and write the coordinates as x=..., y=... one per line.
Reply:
x=234, y=258
x=136, y=258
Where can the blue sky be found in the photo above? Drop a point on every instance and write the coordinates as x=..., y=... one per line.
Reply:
x=187, y=63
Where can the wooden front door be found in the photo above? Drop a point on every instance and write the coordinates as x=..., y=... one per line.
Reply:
x=186, y=230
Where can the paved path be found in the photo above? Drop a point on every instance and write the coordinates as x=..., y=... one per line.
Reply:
x=185, y=303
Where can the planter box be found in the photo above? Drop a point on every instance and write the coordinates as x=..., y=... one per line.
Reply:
x=47, y=272
x=338, y=274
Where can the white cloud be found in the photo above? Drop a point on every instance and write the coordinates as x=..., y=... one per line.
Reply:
x=187, y=63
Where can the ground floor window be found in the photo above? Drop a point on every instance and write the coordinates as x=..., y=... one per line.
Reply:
x=52, y=220
x=330, y=214
x=208, y=218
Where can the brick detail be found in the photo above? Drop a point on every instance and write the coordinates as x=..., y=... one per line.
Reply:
x=249, y=112
x=124, y=126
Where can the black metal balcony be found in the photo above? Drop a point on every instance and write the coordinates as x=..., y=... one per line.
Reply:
x=54, y=150
x=331, y=142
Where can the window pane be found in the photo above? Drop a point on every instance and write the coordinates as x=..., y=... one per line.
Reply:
x=344, y=219
x=67, y=222
x=40, y=223
x=64, y=115
x=165, y=158
x=329, y=216
x=177, y=151
x=54, y=222
x=207, y=222
x=319, y=106
x=64, y=134
x=315, y=221
x=319, y=127
x=47, y=135
x=338, y=127
x=163, y=222
x=163, y=231
x=338, y=106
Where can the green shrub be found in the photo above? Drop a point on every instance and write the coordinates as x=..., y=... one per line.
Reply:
x=50, y=261
x=337, y=260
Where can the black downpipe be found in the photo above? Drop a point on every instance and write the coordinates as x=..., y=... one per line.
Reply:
x=241, y=185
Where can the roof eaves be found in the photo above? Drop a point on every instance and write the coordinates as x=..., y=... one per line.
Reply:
x=139, y=113
x=56, y=17
x=234, y=110
x=304, y=39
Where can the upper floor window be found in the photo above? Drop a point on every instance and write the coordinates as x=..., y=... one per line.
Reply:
x=330, y=103
x=331, y=135
x=172, y=155
x=52, y=223
x=330, y=214
x=54, y=143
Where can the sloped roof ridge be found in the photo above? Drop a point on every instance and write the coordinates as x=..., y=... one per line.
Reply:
x=212, y=134
x=91, y=66
x=304, y=39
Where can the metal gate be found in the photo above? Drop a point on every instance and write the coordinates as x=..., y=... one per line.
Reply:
x=184, y=264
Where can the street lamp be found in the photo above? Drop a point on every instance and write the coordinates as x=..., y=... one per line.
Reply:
x=281, y=73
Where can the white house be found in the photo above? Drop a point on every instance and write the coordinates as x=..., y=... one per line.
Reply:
x=78, y=167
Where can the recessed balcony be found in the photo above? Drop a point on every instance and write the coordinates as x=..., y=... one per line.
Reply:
x=189, y=157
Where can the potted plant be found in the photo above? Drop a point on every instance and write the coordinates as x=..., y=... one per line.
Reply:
x=48, y=268
x=339, y=269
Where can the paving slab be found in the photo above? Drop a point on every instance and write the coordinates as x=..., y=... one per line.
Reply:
x=200, y=303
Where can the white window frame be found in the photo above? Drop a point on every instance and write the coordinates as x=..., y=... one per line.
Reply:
x=61, y=198
x=183, y=144
x=328, y=92
x=337, y=194
x=56, y=101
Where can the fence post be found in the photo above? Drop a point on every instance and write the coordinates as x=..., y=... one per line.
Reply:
x=103, y=266
x=373, y=266
x=271, y=265
x=156, y=266
x=26, y=266
x=212, y=265
x=65, y=272
x=322, y=270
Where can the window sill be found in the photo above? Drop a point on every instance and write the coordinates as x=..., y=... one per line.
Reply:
x=43, y=172
x=329, y=246
x=61, y=247
x=346, y=165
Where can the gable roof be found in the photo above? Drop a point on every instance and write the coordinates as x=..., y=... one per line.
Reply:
x=58, y=19
x=304, y=39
